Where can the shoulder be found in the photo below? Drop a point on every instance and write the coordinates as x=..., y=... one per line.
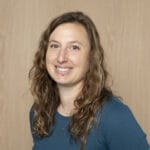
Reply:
x=119, y=126
x=114, y=107
x=114, y=112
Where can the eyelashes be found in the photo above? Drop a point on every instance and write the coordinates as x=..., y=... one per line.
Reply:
x=75, y=47
x=69, y=47
x=54, y=46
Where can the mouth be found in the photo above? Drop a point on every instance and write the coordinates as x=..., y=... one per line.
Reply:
x=62, y=70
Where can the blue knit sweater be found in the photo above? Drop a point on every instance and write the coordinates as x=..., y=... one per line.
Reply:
x=117, y=130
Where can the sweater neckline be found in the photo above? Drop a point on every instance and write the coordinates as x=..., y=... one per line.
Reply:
x=62, y=117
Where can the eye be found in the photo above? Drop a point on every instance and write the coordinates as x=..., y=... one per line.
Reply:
x=54, y=46
x=75, y=47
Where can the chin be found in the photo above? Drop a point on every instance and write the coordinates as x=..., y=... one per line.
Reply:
x=64, y=84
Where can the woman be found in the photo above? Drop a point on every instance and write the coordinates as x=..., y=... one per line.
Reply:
x=73, y=108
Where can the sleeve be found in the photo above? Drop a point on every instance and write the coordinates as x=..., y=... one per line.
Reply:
x=121, y=130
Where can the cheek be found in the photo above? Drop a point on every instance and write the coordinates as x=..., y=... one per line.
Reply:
x=49, y=67
x=49, y=58
x=84, y=63
x=80, y=58
x=48, y=64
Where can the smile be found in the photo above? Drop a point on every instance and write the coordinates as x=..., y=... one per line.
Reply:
x=62, y=70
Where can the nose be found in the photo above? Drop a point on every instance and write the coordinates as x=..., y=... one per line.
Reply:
x=62, y=55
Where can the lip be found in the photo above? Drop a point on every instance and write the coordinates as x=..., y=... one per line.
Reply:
x=62, y=70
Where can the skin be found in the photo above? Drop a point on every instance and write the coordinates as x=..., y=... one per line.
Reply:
x=67, y=61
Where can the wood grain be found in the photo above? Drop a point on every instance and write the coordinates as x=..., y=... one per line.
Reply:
x=125, y=33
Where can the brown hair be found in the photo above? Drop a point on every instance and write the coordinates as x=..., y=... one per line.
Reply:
x=45, y=92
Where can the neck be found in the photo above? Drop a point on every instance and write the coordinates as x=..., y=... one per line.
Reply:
x=68, y=95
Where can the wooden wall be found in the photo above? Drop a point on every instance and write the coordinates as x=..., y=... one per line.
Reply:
x=124, y=26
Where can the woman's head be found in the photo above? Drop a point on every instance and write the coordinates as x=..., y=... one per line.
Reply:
x=95, y=60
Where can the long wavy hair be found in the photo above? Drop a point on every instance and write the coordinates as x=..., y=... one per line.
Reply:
x=44, y=88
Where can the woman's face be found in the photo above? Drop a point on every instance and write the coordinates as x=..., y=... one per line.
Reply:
x=67, y=57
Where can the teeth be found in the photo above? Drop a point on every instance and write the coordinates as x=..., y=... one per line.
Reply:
x=62, y=69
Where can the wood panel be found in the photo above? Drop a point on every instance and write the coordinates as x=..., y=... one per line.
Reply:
x=125, y=33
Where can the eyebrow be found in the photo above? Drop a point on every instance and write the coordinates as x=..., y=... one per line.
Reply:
x=53, y=41
x=72, y=42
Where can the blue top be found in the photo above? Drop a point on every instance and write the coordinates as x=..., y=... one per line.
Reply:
x=117, y=130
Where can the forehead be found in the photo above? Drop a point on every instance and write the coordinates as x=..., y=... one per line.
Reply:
x=68, y=31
